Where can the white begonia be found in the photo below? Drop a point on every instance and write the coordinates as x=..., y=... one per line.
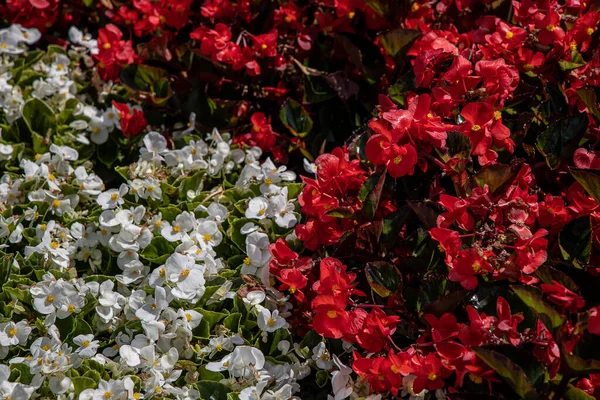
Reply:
x=208, y=234
x=112, y=198
x=322, y=357
x=113, y=389
x=243, y=362
x=85, y=40
x=257, y=208
x=183, y=224
x=25, y=35
x=186, y=275
x=12, y=334
x=6, y=151
x=87, y=345
x=270, y=321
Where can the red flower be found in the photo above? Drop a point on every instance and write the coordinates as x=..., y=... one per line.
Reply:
x=266, y=45
x=293, y=281
x=450, y=242
x=330, y=318
x=457, y=212
x=563, y=297
x=465, y=268
x=443, y=328
x=429, y=372
x=131, y=123
x=376, y=330
x=531, y=252
x=552, y=211
x=481, y=127
x=507, y=323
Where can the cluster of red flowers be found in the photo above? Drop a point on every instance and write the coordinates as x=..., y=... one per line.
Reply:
x=507, y=235
x=262, y=135
x=113, y=52
x=217, y=44
x=132, y=120
x=335, y=188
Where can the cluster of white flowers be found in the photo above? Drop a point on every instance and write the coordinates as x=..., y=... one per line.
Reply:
x=56, y=78
x=141, y=282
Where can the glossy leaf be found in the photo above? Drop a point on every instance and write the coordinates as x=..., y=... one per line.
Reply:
x=575, y=241
x=370, y=193
x=561, y=139
x=510, y=372
x=590, y=181
x=384, y=278
x=295, y=118
x=532, y=297
x=39, y=117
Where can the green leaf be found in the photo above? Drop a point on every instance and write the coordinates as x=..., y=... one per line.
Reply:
x=568, y=65
x=169, y=213
x=589, y=180
x=572, y=365
x=365, y=56
x=340, y=212
x=446, y=304
x=210, y=390
x=496, y=176
x=147, y=79
x=295, y=118
x=532, y=297
x=370, y=193
x=81, y=383
x=512, y=373
x=321, y=378
x=575, y=241
x=212, y=317
x=398, y=41
x=232, y=322
x=561, y=139
x=108, y=152
x=458, y=145
x=158, y=250
x=588, y=96
x=574, y=393
x=39, y=117
x=384, y=278
x=23, y=372
x=392, y=224
x=238, y=238
x=317, y=90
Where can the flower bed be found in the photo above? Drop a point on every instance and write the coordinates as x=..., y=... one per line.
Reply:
x=299, y=200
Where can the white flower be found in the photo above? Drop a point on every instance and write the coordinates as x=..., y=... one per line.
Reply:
x=282, y=210
x=311, y=169
x=154, y=306
x=6, y=151
x=257, y=208
x=268, y=321
x=87, y=345
x=112, y=197
x=190, y=318
x=113, y=389
x=183, y=223
x=186, y=275
x=12, y=334
x=26, y=35
x=243, y=362
x=77, y=37
x=322, y=356
x=9, y=42
x=255, y=297
x=208, y=234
